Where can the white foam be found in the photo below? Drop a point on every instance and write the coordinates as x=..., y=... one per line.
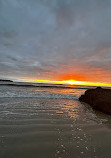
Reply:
x=49, y=93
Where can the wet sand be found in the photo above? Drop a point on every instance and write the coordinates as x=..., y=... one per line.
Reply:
x=48, y=128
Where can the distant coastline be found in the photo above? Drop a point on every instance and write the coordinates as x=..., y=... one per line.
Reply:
x=6, y=82
x=2, y=80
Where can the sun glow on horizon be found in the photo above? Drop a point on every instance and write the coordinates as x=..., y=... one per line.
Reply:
x=70, y=82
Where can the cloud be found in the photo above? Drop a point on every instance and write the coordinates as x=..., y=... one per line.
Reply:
x=48, y=39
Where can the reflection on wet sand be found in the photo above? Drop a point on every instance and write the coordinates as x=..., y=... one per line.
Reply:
x=52, y=128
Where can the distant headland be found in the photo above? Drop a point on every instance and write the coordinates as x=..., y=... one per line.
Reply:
x=3, y=80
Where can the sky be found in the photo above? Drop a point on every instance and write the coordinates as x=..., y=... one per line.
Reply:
x=55, y=40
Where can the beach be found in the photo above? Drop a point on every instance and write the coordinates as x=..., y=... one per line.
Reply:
x=55, y=78
x=50, y=122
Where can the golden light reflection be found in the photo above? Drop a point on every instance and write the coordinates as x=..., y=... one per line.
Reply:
x=70, y=82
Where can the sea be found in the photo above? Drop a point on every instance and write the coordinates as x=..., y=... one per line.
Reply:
x=48, y=121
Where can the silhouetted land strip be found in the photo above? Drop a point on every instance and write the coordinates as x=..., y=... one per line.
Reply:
x=98, y=98
x=1, y=80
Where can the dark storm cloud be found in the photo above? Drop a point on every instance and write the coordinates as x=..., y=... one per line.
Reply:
x=38, y=37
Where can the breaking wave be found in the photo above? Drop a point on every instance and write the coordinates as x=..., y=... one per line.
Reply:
x=40, y=91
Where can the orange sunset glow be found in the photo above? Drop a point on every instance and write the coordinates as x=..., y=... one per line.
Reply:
x=66, y=75
x=70, y=82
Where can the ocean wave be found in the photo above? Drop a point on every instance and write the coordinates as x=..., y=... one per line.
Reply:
x=47, y=96
x=40, y=91
x=42, y=86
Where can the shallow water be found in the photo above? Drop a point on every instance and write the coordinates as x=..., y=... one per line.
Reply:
x=48, y=127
